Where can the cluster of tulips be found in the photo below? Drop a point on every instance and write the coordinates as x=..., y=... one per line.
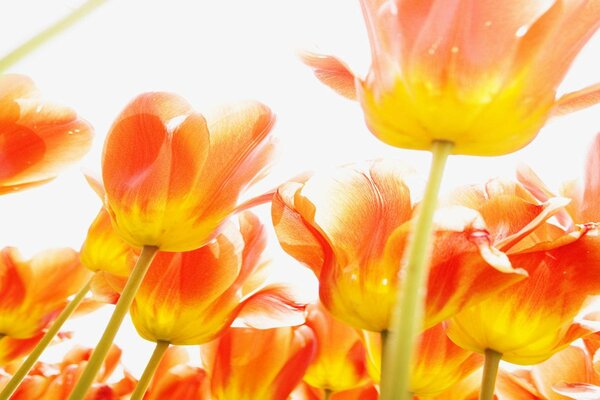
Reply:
x=420, y=297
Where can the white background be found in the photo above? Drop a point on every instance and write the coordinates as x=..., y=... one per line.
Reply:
x=213, y=52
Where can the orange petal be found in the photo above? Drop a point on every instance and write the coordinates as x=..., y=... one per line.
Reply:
x=12, y=349
x=578, y=391
x=241, y=151
x=550, y=44
x=578, y=100
x=331, y=72
x=274, y=306
x=180, y=382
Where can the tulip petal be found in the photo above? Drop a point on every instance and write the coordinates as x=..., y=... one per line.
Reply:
x=578, y=391
x=575, y=101
x=332, y=72
x=274, y=306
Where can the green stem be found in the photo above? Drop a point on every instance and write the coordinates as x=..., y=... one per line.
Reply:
x=101, y=350
x=144, y=381
x=17, y=54
x=24, y=369
x=407, y=317
x=490, y=371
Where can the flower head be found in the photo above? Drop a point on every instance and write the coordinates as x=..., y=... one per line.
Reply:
x=191, y=297
x=37, y=138
x=340, y=362
x=172, y=177
x=534, y=318
x=482, y=75
x=33, y=292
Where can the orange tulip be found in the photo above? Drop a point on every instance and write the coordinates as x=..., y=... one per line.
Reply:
x=248, y=364
x=55, y=381
x=438, y=364
x=482, y=75
x=350, y=227
x=175, y=379
x=37, y=138
x=33, y=292
x=171, y=177
x=190, y=298
x=534, y=318
x=340, y=361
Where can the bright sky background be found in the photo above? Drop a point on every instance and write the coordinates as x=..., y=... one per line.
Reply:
x=214, y=52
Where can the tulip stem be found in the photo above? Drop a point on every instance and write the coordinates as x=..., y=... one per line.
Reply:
x=159, y=351
x=26, y=366
x=326, y=394
x=490, y=371
x=407, y=317
x=36, y=41
x=125, y=300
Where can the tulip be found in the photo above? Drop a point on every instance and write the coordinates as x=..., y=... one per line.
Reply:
x=38, y=139
x=340, y=361
x=248, y=364
x=325, y=221
x=482, y=76
x=534, y=318
x=172, y=177
x=33, y=292
x=192, y=297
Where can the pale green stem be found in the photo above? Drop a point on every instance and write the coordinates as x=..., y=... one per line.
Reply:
x=149, y=371
x=24, y=369
x=125, y=300
x=407, y=317
x=23, y=50
x=490, y=371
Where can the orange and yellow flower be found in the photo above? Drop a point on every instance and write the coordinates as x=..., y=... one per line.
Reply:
x=482, y=75
x=248, y=364
x=340, y=362
x=438, y=364
x=533, y=318
x=37, y=138
x=33, y=292
x=191, y=297
x=172, y=177
x=350, y=227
